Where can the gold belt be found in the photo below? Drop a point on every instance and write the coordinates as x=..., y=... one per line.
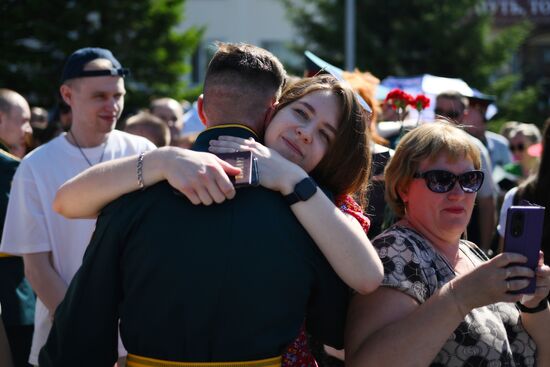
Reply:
x=137, y=361
x=3, y=254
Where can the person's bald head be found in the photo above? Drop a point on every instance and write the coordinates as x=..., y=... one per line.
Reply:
x=15, y=115
x=168, y=110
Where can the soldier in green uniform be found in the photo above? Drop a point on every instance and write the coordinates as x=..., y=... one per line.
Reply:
x=225, y=283
x=16, y=295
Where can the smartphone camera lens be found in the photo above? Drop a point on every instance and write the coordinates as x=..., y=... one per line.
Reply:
x=517, y=224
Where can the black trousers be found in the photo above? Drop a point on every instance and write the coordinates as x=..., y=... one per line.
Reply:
x=20, y=339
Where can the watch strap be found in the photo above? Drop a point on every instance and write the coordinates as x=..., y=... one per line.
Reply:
x=303, y=190
x=543, y=305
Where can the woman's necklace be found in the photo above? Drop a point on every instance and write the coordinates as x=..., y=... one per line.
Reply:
x=82, y=152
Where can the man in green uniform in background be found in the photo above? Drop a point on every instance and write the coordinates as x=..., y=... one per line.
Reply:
x=16, y=295
x=232, y=282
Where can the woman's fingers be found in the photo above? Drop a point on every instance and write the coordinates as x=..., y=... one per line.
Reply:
x=511, y=298
x=219, y=146
x=501, y=275
x=236, y=139
x=541, y=259
x=507, y=258
x=214, y=149
x=191, y=195
x=518, y=271
x=229, y=170
x=216, y=190
x=543, y=280
x=516, y=284
x=203, y=195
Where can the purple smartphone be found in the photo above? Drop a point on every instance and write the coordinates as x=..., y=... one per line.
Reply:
x=523, y=235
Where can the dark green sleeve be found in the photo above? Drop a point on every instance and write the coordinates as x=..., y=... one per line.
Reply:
x=84, y=331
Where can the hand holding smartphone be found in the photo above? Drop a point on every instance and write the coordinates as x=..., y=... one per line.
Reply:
x=524, y=225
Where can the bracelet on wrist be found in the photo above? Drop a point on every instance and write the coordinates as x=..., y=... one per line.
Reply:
x=141, y=184
x=543, y=305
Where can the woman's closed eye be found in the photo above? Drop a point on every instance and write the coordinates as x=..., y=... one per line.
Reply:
x=301, y=113
x=325, y=136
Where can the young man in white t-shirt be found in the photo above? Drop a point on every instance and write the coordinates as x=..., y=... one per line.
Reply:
x=52, y=246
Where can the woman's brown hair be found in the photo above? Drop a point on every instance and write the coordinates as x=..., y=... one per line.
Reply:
x=535, y=189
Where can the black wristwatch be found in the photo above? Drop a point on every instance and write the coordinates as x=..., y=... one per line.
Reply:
x=302, y=191
x=543, y=305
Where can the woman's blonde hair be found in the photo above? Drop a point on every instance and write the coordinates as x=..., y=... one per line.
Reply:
x=426, y=142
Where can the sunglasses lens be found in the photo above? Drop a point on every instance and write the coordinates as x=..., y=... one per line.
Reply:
x=471, y=181
x=519, y=148
x=440, y=181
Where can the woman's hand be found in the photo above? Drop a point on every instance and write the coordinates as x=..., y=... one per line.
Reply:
x=275, y=172
x=201, y=177
x=490, y=282
x=543, y=284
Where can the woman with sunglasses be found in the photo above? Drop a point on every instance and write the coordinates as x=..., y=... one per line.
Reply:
x=521, y=138
x=442, y=302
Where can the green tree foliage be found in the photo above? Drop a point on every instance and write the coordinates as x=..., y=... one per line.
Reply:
x=36, y=36
x=516, y=105
x=403, y=38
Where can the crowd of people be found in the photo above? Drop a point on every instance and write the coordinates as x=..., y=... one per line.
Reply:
x=132, y=246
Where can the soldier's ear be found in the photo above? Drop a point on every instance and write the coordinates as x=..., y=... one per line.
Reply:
x=200, y=110
x=270, y=112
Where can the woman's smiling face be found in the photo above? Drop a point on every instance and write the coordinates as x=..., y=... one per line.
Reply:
x=303, y=131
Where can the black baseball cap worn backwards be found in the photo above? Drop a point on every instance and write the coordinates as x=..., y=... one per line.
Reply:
x=74, y=67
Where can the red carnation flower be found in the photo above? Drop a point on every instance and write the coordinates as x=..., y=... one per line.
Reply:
x=421, y=102
x=398, y=99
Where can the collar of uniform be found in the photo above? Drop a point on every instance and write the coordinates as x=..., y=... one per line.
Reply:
x=5, y=151
x=203, y=140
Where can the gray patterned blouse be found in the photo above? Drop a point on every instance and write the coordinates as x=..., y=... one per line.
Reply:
x=489, y=336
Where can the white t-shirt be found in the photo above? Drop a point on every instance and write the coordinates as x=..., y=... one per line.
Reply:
x=31, y=224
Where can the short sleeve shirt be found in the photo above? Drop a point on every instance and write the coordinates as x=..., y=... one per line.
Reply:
x=489, y=335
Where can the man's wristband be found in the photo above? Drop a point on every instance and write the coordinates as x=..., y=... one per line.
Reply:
x=543, y=305
x=141, y=184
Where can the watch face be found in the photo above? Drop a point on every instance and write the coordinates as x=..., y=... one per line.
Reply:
x=305, y=188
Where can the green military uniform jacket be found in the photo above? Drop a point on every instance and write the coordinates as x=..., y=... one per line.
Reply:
x=227, y=282
x=16, y=295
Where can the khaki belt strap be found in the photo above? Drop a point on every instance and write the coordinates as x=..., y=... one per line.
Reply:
x=137, y=361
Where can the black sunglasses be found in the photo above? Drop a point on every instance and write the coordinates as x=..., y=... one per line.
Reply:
x=440, y=181
x=520, y=147
x=449, y=114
